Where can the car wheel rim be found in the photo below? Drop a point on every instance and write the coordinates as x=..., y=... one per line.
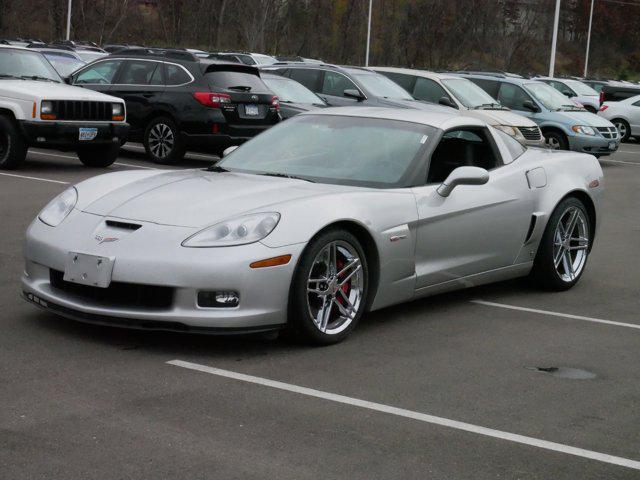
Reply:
x=622, y=129
x=570, y=244
x=553, y=142
x=335, y=287
x=161, y=140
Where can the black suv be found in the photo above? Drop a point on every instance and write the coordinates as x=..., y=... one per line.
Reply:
x=176, y=101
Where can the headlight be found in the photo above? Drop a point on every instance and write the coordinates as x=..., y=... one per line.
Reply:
x=58, y=208
x=117, y=112
x=507, y=129
x=238, y=231
x=46, y=110
x=583, y=129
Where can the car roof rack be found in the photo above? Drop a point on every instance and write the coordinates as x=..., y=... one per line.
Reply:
x=52, y=46
x=173, y=53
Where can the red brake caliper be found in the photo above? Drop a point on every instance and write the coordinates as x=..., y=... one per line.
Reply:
x=345, y=287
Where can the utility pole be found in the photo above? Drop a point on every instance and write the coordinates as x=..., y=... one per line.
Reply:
x=69, y=20
x=552, y=63
x=366, y=62
x=586, y=58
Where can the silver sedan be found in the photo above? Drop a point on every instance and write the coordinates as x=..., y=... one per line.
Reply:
x=313, y=223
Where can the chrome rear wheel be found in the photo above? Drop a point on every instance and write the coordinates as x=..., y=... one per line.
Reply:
x=571, y=243
x=161, y=140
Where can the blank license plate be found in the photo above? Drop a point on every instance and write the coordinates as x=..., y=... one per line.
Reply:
x=251, y=110
x=88, y=269
x=86, y=134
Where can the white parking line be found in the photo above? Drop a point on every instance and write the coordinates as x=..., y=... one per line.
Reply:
x=54, y=154
x=141, y=148
x=557, y=314
x=422, y=417
x=34, y=178
x=135, y=166
x=637, y=164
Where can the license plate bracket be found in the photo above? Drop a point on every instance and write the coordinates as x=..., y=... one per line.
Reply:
x=91, y=270
x=86, y=134
x=252, y=109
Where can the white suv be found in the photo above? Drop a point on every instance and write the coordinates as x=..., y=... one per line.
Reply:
x=464, y=95
x=37, y=109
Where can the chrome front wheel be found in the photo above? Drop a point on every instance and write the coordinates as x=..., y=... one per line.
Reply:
x=335, y=287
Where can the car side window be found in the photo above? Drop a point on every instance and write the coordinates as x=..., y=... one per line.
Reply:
x=246, y=59
x=489, y=86
x=428, y=90
x=175, y=75
x=465, y=147
x=512, y=96
x=636, y=104
x=335, y=84
x=140, y=72
x=405, y=81
x=514, y=147
x=101, y=73
x=308, y=77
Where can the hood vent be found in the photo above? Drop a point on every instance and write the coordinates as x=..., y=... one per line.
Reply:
x=123, y=225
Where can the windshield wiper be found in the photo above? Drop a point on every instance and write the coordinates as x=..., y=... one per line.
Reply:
x=243, y=88
x=286, y=175
x=488, y=105
x=38, y=77
x=5, y=75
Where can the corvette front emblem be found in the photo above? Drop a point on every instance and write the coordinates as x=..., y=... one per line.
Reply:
x=102, y=239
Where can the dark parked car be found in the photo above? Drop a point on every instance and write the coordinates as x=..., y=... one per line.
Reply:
x=616, y=91
x=177, y=102
x=351, y=86
x=294, y=97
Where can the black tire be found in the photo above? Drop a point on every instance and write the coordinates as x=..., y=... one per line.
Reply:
x=163, y=142
x=99, y=156
x=622, y=126
x=544, y=273
x=13, y=148
x=301, y=325
x=556, y=140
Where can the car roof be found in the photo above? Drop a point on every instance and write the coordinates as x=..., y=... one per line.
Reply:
x=514, y=80
x=416, y=73
x=439, y=120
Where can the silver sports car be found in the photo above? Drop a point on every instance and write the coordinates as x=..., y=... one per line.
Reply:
x=313, y=223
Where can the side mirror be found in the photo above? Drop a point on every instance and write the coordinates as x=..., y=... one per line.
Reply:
x=447, y=102
x=353, y=93
x=463, y=176
x=529, y=105
x=68, y=80
x=569, y=94
x=228, y=150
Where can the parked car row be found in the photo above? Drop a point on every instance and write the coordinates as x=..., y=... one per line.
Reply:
x=188, y=99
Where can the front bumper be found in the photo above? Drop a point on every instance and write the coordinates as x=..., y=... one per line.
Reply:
x=595, y=145
x=153, y=256
x=65, y=135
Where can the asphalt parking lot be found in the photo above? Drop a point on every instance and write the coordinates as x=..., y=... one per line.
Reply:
x=442, y=388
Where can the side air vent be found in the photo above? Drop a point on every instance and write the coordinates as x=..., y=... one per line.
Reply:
x=123, y=225
x=532, y=226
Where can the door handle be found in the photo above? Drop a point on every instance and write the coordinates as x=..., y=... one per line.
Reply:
x=148, y=95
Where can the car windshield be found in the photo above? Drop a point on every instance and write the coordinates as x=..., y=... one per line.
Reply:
x=380, y=86
x=264, y=59
x=64, y=64
x=549, y=96
x=26, y=65
x=469, y=94
x=291, y=91
x=89, y=56
x=335, y=149
x=581, y=88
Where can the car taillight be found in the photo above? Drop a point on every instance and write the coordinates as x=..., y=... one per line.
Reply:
x=275, y=102
x=601, y=97
x=603, y=108
x=215, y=100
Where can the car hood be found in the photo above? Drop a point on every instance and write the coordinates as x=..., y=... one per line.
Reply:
x=40, y=90
x=584, y=118
x=501, y=117
x=415, y=104
x=197, y=198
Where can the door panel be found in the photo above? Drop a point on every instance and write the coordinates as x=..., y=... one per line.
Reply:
x=476, y=229
x=140, y=83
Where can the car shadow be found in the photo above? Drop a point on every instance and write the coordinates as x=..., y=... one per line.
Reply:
x=179, y=344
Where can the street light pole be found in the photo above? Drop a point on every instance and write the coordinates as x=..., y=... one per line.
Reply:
x=69, y=20
x=586, y=58
x=552, y=63
x=366, y=62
